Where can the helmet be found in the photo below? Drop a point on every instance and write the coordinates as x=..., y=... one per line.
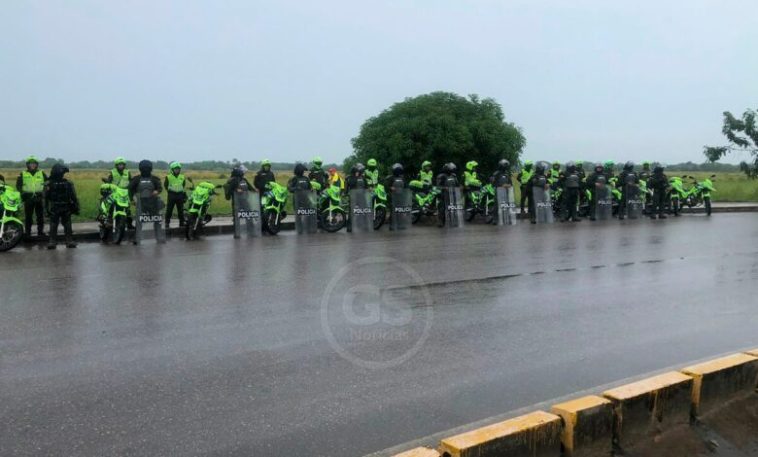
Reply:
x=32, y=159
x=540, y=169
x=332, y=170
x=145, y=167
x=371, y=163
x=359, y=167
x=579, y=164
x=556, y=164
x=299, y=169
x=646, y=164
x=397, y=169
x=471, y=165
x=237, y=171
x=119, y=161
x=609, y=163
x=173, y=165
x=450, y=168
x=265, y=162
x=598, y=166
x=528, y=164
x=570, y=165
x=629, y=166
x=658, y=169
x=503, y=165
x=426, y=163
x=317, y=161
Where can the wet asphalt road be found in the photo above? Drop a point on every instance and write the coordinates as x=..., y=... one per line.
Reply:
x=272, y=347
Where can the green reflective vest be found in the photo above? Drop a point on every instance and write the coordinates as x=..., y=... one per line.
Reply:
x=526, y=175
x=175, y=183
x=33, y=183
x=426, y=176
x=470, y=178
x=121, y=180
x=372, y=176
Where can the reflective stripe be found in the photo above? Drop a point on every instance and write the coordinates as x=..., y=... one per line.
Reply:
x=175, y=183
x=33, y=183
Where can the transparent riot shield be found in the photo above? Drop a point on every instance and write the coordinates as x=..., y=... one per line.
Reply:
x=306, y=214
x=149, y=222
x=603, y=203
x=247, y=214
x=633, y=201
x=543, y=206
x=506, y=206
x=361, y=210
x=402, y=209
x=454, y=207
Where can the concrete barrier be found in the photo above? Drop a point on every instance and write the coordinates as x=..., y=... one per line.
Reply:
x=534, y=435
x=587, y=426
x=419, y=452
x=645, y=408
x=721, y=380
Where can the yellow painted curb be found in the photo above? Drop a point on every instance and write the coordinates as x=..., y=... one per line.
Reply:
x=587, y=426
x=537, y=433
x=419, y=452
x=721, y=380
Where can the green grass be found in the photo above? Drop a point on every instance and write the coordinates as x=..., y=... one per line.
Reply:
x=730, y=187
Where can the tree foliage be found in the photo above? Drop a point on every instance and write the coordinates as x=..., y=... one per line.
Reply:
x=440, y=127
x=742, y=136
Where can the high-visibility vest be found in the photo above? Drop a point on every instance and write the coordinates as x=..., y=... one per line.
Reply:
x=526, y=175
x=426, y=176
x=372, y=176
x=32, y=183
x=175, y=183
x=119, y=179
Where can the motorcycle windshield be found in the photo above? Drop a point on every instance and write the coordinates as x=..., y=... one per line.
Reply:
x=149, y=219
x=633, y=202
x=454, y=207
x=603, y=203
x=247, y=214
x=402, y=208
x=361, y=210
x=506, y=206
x=305, y=212
x=543, y=205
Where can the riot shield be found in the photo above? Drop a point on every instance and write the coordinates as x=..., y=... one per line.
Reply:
x=603, y=203
x=149, y=222
x=247, y=214
x=633, y=201
x=306, y=214
x=543, y=206
x=402, y=209
x=361, y=210
x=506, y=206
x=454, y=207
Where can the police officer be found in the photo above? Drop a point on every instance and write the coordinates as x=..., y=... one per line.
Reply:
x=119, y=175
x=445, y=180
x=356, y=180
x=523, y=177
x=175, y=183
x=395, y=179
x=659, y=183
x=237, y=182
x=471, y=181
x=593, y=182
x=146, y=187
x=571, y=183
x=31, y=184
x=628, y=177
x=317, y=173
x=501, y=178
x=60, y=204
x=372, y=173
x=426, y=175
x=299, y=181
x=263, y=177
x=539, y=178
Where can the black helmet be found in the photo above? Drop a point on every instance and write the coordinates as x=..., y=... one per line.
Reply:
x=237, y=172
x=145, y=167
x=57, y=172
x=503, y=165
x=397, y=169
x=359, y=167
x=658, y=169
x=599, y=167
x=299, y=169
x=450, y=168
x=540, y=168
x=570, y=166
x=629, y=166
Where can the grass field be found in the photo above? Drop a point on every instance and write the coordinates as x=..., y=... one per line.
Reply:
x=730, y=187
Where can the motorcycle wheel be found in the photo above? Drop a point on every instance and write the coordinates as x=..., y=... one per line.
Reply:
x=334, y=223
x=189, y=231
x=273, y=224
x=11, y=236
x=707, y=202
x=120, y=230
x=380, y=215
x=470, y=213
x=490, y=211
x=675, y=206
x=105, y=232
x=415, y=213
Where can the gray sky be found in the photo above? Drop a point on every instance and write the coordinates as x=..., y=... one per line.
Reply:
x=285, y=80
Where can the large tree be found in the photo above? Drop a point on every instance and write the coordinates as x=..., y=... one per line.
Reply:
x=440, y=127
x=742, y=136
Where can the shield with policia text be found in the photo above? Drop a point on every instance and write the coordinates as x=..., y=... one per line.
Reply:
x=454, y=207
x=149, y=220
x=402, y=209
x=506, y=206
x=306, y=214
x=247, y=214
x=361, y=210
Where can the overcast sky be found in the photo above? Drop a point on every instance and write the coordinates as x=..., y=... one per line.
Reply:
x=186, y=80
